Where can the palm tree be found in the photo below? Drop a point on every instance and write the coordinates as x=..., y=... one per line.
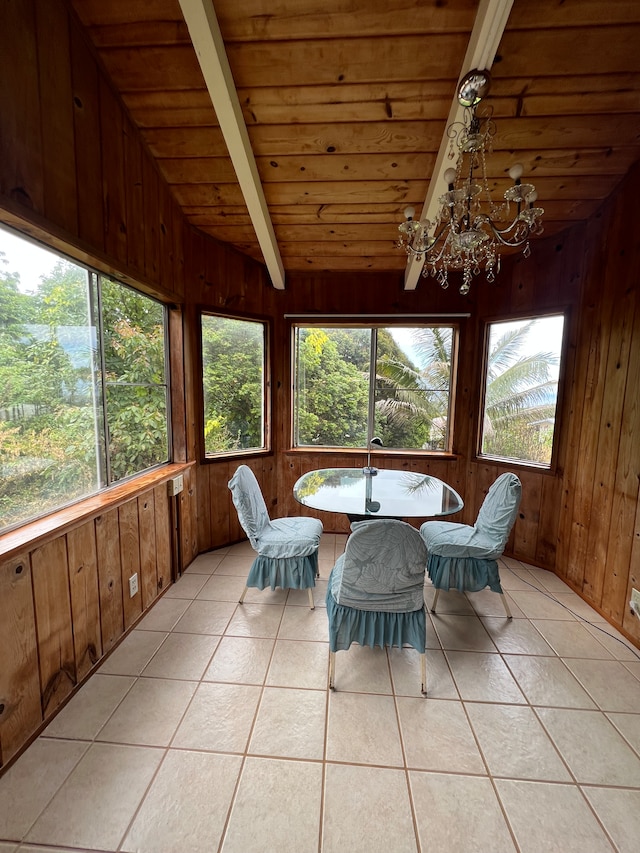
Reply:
x=520, y=394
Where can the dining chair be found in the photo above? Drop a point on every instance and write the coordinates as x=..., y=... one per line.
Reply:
x=287, y=548
x=375, y=595
x=465, y=557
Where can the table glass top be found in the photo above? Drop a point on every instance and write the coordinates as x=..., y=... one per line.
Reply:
x=387, y=493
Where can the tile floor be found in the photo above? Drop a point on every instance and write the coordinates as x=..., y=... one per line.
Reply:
x=211, y=729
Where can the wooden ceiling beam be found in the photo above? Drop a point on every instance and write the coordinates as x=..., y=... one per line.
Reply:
x=209, y=46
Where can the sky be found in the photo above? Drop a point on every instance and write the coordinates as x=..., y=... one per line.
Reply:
x=25, y=258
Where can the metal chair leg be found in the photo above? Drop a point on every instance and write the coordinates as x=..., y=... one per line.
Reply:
x=435, y=599
x=332, y=669
x=506, y=605
x=312, y=605
x=244, y=592
x=423, y=671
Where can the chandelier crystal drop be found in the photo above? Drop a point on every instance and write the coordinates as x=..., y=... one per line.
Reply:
x=470, y=229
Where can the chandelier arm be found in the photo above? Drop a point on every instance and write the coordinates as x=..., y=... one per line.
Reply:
x=499, y=233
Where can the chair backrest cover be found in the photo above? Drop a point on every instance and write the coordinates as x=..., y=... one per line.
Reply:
x=383, y=568
x=499, y=508
x=249, y=502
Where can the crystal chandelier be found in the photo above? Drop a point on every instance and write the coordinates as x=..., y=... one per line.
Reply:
x=470, y=229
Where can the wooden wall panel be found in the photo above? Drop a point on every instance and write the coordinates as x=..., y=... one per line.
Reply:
x=85, y=598
x=163, y=536
x=129, y=534
x=20, y=708
x=110, y=578
x=53, y=618
x=146, y=509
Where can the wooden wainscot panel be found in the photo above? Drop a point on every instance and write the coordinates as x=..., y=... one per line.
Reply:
x=109, y=578
x=130, y=560
x=20, y=708
x=53, y=620
x=85, y=601
x=163, y=536
x=187, y=503
x=148, y=568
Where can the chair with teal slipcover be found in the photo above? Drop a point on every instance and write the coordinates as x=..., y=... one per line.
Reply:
x=287, y=548
x=464, y=557
x=375, y=595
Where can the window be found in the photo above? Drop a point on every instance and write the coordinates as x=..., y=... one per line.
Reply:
x=83, y=390
x=354, y=383
x=521, y=389
x=233, y=382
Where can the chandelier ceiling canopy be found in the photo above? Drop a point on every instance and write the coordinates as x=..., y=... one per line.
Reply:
x=470, y=229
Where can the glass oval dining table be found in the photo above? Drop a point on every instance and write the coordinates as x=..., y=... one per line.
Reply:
x=363, y=493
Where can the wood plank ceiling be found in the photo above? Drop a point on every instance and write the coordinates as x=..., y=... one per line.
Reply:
x=346, y=103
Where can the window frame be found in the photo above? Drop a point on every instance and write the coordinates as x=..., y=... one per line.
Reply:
x=267, y=324
x=403, y=321
x=94, y=278
x=541, y=467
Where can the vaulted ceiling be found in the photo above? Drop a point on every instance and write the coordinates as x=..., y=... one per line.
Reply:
x=329, y=116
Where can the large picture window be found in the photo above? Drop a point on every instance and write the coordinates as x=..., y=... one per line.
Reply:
x=393, y=382
x=83, y=389
x=521, y=389
x=233, y=383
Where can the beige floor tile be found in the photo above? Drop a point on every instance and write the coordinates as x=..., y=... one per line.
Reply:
x=163, y=615
x=514, y=743
x=222, y=588
x=483, y=677
x=449, y=602
x=619, y=812
x=300, y=623
x=367, y=809
x=219, y=718
x=243, y=660
x=290, y=724
x=462, y=633
x=299, y=664
x=237, y=565
x=580, y=608
x=29, y=784
x=629, y=726
x=437, y=736
x=594, y=750
x=182, y=656
x=276, y=809
x=240, y=548
x=517, y=636
x=407, y=677
x=206, y=564
x=613, y=641
x=633, y=667
x=10, y=847
x=188, y=586
x=187, y=805
x=206, y=617
x=510, y=578
x=96, y=803
x=363, y=729
x=458, y=814
x=571, y=639
x=300, y=597
x=267, y=596
x=362, y=669
x=133, y=653
x=256, y=620
x=489, y=603
x=87, y=712
x=608, y=683
x=150, y=712
x=547, y=681
x=548, y=581
x=547, y=817
x=535, y=605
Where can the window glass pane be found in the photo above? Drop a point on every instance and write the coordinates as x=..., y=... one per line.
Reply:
x=413, y=382
x=48, y=454
x=522, y=368
x=408, y=397
x=332, y=386
x=233, y=368
x=137, y=416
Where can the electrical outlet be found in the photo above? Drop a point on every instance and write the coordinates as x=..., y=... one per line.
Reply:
x=634, y=604
x=133, y=585
x=175, y=485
